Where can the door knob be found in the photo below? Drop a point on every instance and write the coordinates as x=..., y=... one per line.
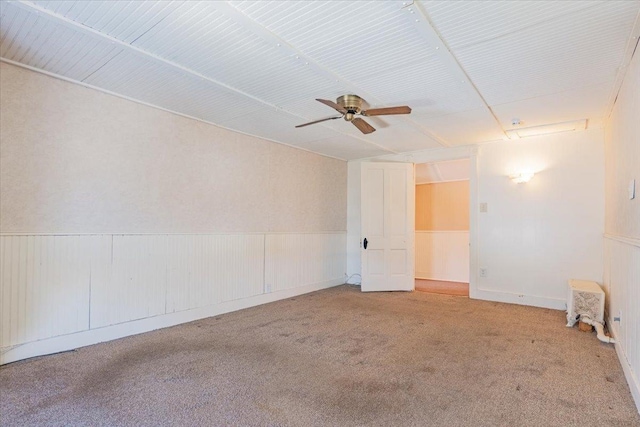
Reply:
x=364, y=243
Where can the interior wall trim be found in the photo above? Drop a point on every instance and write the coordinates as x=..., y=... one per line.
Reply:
x=630, y=375
x=442, y=231
x=520, y=299
x=627, y=240
x=224, y=233
x=441, y=182
x=629, y=52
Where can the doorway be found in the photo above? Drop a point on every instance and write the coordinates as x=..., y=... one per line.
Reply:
x=442, y=227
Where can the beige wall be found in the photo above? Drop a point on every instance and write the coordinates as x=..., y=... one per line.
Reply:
x=534, y=237
x=75, y=160
x=442, y=206
x=622, y=155
x=183, y=218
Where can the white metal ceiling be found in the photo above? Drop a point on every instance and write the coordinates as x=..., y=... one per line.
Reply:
x=466, y=68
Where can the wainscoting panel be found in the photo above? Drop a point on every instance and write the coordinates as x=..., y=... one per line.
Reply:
x=137, y=283
x=293, y=259
x=44, y=289
x=209, y=269
x=442, y=255
x=59, y=292
x=622, y=285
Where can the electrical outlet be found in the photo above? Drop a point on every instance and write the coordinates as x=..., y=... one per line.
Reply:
x=483, y=207
x=483, y=272
x=267, y=288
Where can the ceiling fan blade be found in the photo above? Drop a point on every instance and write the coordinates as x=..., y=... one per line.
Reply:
x=387, y=111
x=333, y=105
x=363, y=126
x=319, y=121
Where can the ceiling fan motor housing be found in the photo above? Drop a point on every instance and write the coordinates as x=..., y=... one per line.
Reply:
x=351, y=103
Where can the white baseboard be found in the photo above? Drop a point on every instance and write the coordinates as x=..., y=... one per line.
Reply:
x=629, y=374
x=543, y=302
x=108, y=333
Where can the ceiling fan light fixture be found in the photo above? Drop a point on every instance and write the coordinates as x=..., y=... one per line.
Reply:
x=351, y=105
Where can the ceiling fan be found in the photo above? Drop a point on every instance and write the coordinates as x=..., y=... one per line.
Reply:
x=351, y=105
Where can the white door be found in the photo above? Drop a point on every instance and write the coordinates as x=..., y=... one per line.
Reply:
x=388, y=223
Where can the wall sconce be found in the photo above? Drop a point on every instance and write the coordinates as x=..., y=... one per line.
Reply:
x=522, y=177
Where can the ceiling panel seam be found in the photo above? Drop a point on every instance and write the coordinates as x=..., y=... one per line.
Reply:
x=528, y=27
x=149, y=29
x=40, y=11
x=267, y=34
x=15, y=20
x=630, y=50
x=433, y=35
x=31, y=7
x=590, y=86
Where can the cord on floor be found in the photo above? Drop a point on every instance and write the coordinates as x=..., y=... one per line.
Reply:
x=358, y=283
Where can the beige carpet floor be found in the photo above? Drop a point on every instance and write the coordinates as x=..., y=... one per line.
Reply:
x=336, y=357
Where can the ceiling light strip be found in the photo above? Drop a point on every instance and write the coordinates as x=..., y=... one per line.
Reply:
x=40, y=11
x=548, y=129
